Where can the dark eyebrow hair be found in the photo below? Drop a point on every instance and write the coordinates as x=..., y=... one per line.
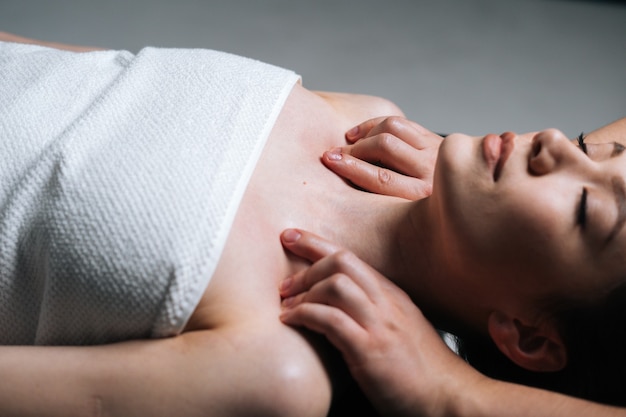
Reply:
x=619, y=189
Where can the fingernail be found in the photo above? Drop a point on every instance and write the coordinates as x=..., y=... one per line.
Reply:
x=291, y=235
x=285, y=284
x=353, y=132
x=334, y=154
x=288, y=302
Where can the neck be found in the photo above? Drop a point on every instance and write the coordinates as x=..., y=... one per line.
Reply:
x=401, y=240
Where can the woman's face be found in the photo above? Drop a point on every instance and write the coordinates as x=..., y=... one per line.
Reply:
x=533, y=216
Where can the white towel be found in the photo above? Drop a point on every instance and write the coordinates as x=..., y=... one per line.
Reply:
x=120, y=176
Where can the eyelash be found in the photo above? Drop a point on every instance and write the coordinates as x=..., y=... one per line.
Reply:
x=618, y=148
x=581, y=216
x=581, y=142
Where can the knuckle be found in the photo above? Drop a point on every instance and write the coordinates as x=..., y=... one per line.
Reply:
x=394, y=123
x=342, y=257
x=338, y=286
x=338, y=282
x=386, y=142
x=384, y=177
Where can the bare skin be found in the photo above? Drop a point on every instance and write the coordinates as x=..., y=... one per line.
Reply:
x=394, y=353
x=234, y=337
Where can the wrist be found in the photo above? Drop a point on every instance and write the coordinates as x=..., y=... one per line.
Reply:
x=468, y=396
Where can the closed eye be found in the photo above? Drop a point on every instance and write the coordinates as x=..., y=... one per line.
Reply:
x=598, y=153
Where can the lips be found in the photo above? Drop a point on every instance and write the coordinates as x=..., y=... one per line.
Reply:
x=496, y=150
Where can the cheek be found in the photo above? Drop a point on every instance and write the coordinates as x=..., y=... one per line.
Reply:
x=533, y=227
x=528, y=241
x=525, y=220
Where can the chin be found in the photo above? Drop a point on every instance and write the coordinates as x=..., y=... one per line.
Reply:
x=459, y=158
x=459, y=149
x=458, y=178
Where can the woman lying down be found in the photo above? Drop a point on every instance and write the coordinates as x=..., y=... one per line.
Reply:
x=142, y=273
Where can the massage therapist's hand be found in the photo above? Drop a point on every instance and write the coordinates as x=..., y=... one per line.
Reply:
x=392, y=351
x=388, y=155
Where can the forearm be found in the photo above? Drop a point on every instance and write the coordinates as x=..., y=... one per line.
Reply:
x=123, y=379
x=182, y=376
x=500, y=399
x=229, y=373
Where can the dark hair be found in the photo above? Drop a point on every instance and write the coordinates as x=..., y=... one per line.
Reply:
x=595, y=338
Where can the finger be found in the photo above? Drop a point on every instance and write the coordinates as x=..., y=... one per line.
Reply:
x=341, y=262
x=390, y=151
x=338, y=327
x=362, y=129
x=307, y=245
x=407, y=130
x=339, y=291
x=376, y=179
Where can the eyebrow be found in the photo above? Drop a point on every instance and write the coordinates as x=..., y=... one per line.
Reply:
x=619, y=189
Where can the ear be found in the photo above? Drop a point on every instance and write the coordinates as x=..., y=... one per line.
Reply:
x=537, y=348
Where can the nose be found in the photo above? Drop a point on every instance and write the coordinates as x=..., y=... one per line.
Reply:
x=550, y=150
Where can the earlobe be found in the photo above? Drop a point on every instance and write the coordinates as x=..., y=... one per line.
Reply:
x=537, y=348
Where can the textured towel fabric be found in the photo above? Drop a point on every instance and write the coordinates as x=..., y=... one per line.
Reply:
x=120, y=176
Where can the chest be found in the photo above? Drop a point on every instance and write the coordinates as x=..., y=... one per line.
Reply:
x=289, y=187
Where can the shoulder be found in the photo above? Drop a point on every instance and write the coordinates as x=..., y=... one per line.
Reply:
x=256, y=369
x=360, y=106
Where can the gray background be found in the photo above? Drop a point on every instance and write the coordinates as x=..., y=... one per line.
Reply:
x=475, y=66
